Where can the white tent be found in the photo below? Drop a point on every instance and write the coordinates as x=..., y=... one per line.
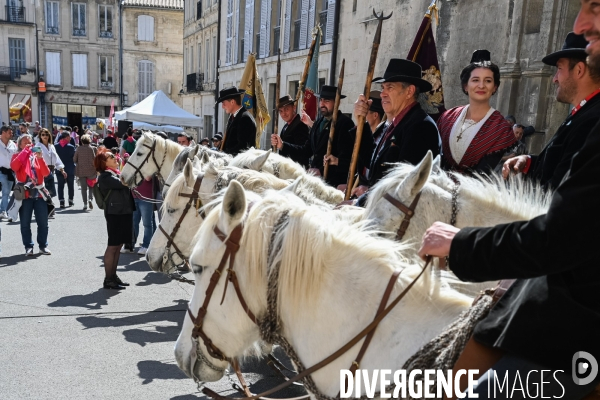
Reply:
x=163, y=128
x=159, y=109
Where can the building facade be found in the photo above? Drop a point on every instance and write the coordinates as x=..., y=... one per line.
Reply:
x=18, y=63
x=79, y=60
x=152, y=49
x=200, y=43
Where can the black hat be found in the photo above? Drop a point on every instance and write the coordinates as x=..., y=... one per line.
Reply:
x=375, y=95
x=229, y=93
x=481, y=56
x=574, y=47
x=285, y=100
x=400, y=70
x=218, y=136
x=328, y=92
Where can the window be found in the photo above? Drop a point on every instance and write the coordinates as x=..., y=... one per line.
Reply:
x=192, y=59
x=16, y=50
x=105, y=28
x=52, y=17
x=229, y=33
x=106, y=72
x=145, y=28
x=80, y=70
x=199, y=9
x=207, y=71
x=199, y=57
x=145, y=79
x=78, y=19
x=53, y=68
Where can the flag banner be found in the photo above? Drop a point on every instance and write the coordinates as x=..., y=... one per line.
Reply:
x=62, y=121
x=424, y=53
x=254, y=98
x=312, y=81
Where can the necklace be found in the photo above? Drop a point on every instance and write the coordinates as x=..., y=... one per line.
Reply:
x=463, y=129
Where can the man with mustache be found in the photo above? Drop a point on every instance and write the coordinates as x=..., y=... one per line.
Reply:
x=543, y=322
x=576, y=84
x=316, y=145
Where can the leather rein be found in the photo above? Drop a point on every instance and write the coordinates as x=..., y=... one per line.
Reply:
x=232, y=246
x=151, y=153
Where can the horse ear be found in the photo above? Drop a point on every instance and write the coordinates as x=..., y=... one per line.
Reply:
x=293, y=187
x=234, y=204
x=417, y=178
x=436, y=167
x=188, y=172
x=194, y=151
x=259, y=161
x=205, y=158
x=210, y=168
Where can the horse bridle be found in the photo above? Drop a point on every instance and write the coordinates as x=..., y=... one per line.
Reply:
x=232, y=246
x=150, y=153
x=194, y=200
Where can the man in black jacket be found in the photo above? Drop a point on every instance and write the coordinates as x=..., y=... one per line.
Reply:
x=576, y=84
x=544, y=321
x=410, y=132
x=294, y=131
x=240, y=133
x=316, y=146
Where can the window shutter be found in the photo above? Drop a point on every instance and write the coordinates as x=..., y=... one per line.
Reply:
x=287, y=26
x=311, y=21
x=303, y=23
x=80, y=70
x=141, y=31
x=249, y=28
x=330, y=16
x=52, y=68
x=229, y=32
x=150, y=28
x=141, y=78
x=236, y=29
x=264, y=19
x=146, y=28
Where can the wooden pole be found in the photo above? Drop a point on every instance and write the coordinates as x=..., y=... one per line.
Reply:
x=361, y=119
x=336, y=106
x=276, y=116
x=306, y=68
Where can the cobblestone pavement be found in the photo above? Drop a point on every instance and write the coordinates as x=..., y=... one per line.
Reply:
x=64, y=337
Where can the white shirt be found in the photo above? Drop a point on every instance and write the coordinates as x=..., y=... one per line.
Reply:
x=50, y=156
x=466, y=129
x=6, y=153
x=236, y=113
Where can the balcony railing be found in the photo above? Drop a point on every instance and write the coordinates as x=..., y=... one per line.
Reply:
x=106, y=85
x=15, y=14
x=275, y=41
x=52, y=30
x=296, y=35
x=104, y=34
x=11, y=73
x=194, y=82
x=78, y=32
x=323, y=22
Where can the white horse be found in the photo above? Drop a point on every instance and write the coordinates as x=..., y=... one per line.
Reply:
x=152, y=155
x=281, y=167
x=330, y=281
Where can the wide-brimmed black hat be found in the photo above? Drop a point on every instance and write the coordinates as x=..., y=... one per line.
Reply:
x=375, y=95
x=218, y=136
x=328, y=92
x=285, y=100
x=400, y=70
x=229, y=93
x=574, y=47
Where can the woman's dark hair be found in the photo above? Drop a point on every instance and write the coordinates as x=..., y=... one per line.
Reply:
x=465, y=75
x=102, y=155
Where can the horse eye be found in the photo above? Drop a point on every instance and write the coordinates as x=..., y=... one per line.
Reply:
x=171, y=210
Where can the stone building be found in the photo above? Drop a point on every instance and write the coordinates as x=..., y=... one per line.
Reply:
x=152, y=49
x=79, y=60
x=519, y=33
x=18, y=63
x=200, y=61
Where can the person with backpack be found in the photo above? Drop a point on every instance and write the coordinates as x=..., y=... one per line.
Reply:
x=85, y=170
x=118, y=205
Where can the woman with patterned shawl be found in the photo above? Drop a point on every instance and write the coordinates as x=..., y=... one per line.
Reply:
x=475, y=136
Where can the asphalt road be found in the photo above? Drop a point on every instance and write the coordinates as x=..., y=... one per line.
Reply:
x=64, y=337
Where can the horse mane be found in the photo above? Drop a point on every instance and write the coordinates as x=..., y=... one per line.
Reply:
x=287, y=167
x=172, y=148
x=319, y=190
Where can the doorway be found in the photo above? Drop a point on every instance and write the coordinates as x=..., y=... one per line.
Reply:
x=74, y=119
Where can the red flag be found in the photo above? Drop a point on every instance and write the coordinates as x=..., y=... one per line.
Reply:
x=111, y=115
x=312, y=80
x=424, y=53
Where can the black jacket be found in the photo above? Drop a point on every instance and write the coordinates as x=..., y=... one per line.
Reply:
x=295, y=133
x=316, y=147
x=415, y=134
x=553, y=309
x=240, y=134
x=550, y=167
x=120, y=201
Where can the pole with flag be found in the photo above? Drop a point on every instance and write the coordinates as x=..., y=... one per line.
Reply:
x=111, y=115
x=311, y=80
x=336, y=107
x=424, y=53
x=254, y=98
x=277, y=83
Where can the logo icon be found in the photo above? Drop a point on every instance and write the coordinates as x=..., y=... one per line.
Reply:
x=584, y=368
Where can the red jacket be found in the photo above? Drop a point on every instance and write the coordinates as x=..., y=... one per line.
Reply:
x=20, y=164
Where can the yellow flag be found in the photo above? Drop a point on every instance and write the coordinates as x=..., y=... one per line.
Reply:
x=254, y=98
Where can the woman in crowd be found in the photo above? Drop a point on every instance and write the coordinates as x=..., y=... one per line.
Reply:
x=475, y=136
x=84, y=170
x=118, y=212
x=66, y=151
x=145, y=198
x=52, y=160
x=30, y=170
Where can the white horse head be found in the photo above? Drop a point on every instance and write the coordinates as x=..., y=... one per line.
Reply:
x=329, y=275
x=188, y=153
x=261, y=160
x=152, y=155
